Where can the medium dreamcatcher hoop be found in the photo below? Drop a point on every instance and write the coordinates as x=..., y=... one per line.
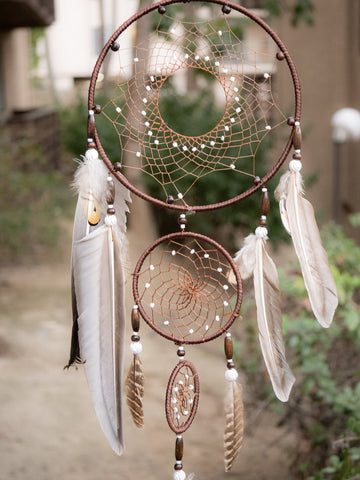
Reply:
x=186, y=286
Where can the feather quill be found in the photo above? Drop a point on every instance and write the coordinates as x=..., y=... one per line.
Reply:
x=269, y=320
x=135, y=391
x=302, y=226
x=234, y=423
x=98, y=296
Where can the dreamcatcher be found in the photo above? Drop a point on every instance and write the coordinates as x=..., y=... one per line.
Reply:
x=186, y=286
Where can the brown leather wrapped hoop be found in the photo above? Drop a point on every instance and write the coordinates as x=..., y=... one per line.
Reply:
x=252, y=187
x=182, y=397
x=181, y=286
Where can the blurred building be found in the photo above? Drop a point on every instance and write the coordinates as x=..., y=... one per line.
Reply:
x=327, y=58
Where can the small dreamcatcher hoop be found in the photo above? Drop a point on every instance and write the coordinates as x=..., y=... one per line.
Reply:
x=181, y=287
x=179, y=162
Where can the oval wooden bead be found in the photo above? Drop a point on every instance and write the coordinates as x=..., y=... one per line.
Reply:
x=135, y=319
x=91, y=126
x=161, y=9
x=228, y=347
x=178, y=466
x=97, y=109
x=263, y=222
x=297, y=137
x=170, y=199
x=110, y=211
x=135, y=338
x=230, y=365
x=179, y=448
x=111, y=195
x=117, y=166
x=297, y=156
x=280, y=55
x=265, y=202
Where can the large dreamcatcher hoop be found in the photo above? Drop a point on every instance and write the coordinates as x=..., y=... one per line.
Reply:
x=186, y=286
x=177, y=161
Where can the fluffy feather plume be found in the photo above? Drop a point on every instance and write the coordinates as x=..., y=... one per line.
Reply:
x=98, y=293
x=301, y=224
x=267, y=296
x=234, y=423
x=135, y=391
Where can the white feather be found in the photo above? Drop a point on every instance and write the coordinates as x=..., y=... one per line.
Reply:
x=267, y=297
x=100, y=302
x=315, y=269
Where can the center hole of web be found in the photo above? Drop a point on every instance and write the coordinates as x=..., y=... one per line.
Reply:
x=192, y=102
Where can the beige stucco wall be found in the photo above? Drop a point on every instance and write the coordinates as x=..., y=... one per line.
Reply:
x=327, y=57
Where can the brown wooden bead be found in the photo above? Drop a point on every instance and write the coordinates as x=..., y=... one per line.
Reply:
x=179, y=448
x=117, y=166
x=91, y=144
x=226, y=9
x=228, y=347
x=297, y=156
x=135, y=338
x=135, y=319
x=110, y=211
x=280, y=55
x=265, y=202
x=91, y=126
x=230, y=364
x=181, y=352
x=97, y=109
x=170, y=199
x=263, y=222
x=297, y=137
x=161, y=9
x=115, y=46
x=178, y=466
x=257, y=180
x=111, y=187
x=291, y=121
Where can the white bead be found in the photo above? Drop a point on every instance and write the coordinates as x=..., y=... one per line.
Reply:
x=219, y=33
x=91, y=154
x=150, y=133
x=212, y=143
x=295, y=165
x=268, y=127
x=143, y=112
x=297, y=124
x=261, y=232
x=148, y=88
x=184, y=148
x=231, y=374
x=147, y=124
x=237, y=99
x=136, y=347
x=238, y=110
x=136, y=59
x=232, y=79
x=202, y=146
x=266, y=75
x=217, y=64
x=138, y=154
x=219, y=269
x=226, y=287
x=206, y=58
x=180, y=196
x=226, y=303
x=152, y=78
x=156, y=141
x=227, y=128
x=192, y=251
x=110, y=220
x=232, y=166
x=236, y=89
x=217, y=318
x=197, y=57
x=118, y=109
x=175, y=144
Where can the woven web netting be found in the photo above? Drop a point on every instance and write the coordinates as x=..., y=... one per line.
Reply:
x=183, y=291
x=236, y=105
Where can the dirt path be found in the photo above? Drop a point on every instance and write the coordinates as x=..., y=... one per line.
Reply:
x=48, y=428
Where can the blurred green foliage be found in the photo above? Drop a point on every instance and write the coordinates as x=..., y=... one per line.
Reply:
x=324, y=406
x=34, y=201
